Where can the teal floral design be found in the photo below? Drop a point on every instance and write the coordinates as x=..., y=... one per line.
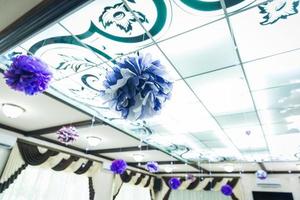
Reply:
x=120, y=16
x=278, y=9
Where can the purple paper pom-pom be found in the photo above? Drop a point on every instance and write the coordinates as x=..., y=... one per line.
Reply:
x=67, y=135
x=137, y=87
x=28, y=74
x=261, y=174
x=118, y=166
x=152, y=166
x=174, y=183
x=226, y=190
x=190, y=177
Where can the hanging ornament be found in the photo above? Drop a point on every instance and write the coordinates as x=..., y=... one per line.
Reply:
x=261, y=174
x=137, y=87
x=248, y=132
x=67, y=135
x=190, y=177
x=174, y=183
x=152, y=166
x=118, y=166
x=226, y=190
x=28, y=74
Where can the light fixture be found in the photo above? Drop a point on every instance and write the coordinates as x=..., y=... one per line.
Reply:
x=93, y=140
x=12, y=111
x=138, y=157
x=168, y=169
x=228, y=168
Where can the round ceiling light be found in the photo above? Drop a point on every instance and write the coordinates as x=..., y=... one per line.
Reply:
x=168, y=169
x=12, y=111
x=228, y=168
x=138, y=157
x=93, y=140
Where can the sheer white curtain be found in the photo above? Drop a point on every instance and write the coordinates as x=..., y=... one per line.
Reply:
x=133, y=192
x=196, y=195
x=36, y=183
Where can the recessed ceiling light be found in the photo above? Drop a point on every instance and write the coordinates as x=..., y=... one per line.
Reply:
x=168, y=169
x=93, y=140
x=228, y=168
x=138, y=157
x=12, y=111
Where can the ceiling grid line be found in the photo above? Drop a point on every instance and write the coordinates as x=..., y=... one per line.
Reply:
x=194, y=93
x=244, y=73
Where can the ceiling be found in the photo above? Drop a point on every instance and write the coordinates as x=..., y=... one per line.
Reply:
x=235, y=71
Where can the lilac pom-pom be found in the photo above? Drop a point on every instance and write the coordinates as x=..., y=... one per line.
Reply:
x=152, y=166
x=28, y=74
x=174, y=183
x=67, y=135
x=226, y=190
x=261, y=174
x=137, y=87
x=190, y=177
x=118, y=166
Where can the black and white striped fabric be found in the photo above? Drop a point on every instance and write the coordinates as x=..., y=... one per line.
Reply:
x=24, y=154
x=202, y=184
x=138, y=179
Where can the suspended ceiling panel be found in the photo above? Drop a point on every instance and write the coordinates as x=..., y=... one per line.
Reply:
x=41, y=111
x=110, y=138
x=235, y=66
x=151, y=155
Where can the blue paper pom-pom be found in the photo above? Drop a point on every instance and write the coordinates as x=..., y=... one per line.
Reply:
x=137, y=87
x=28, y=74
x=174, y=183
x=118, y=166
x=226, y=190
x=261, y=174
x=152, y=166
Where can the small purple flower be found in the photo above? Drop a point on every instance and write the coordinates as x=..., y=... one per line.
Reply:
x=226, y=190
x=67, y=135
x=261, y=174
x=152, y=166
x=28, y=74
x=118, y=166
x=174, y=183
x=137, y=87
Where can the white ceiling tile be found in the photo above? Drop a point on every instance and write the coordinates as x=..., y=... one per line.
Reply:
x=223, y=92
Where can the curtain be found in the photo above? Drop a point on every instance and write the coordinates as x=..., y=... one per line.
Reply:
x=150, y=182
x=202, y=184
x=24, y=156
x=196, y=195
x=37, y=183
x=131, y=192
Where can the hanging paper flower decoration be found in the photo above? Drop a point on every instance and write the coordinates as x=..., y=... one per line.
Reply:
x=226, y=190
x=28, y=74
x=137, y=87
x=174, y=183
x=261, y=174
x=190, y=177
x=152, y=166
x=67, y=135
x=118, y=166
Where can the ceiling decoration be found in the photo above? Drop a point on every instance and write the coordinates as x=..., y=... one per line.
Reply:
x=235, y=66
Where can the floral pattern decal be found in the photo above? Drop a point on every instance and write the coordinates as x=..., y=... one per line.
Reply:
x=278, y=9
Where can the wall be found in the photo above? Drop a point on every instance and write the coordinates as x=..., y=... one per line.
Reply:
x=289, y=183
x=11, y=10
